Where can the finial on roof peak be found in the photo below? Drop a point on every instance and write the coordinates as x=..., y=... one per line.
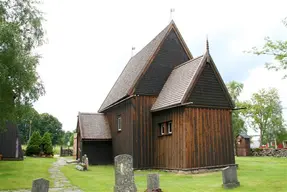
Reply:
x=207, y=44
x=170, y=16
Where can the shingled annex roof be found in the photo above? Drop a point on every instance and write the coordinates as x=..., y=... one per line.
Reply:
x=177, y=84
x=94, y=126
x=136, y=66
x=181, y=81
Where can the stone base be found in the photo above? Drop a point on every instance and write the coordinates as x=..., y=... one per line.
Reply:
x=231, y=185
x=130, y=188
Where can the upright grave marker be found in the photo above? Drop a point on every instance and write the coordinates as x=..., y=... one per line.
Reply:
x=40, y=185
x=124, y=175
x=153, y=182
x=229, y=177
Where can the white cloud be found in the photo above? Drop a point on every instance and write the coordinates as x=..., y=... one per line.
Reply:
x=90, y=41
x=259, y=78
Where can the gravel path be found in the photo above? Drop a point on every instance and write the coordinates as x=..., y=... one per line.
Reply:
x=61, y=183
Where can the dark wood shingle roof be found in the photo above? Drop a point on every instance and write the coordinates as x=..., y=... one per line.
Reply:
x=177, y=84
x=135, y=67
x=94, y=126
x=181, y=81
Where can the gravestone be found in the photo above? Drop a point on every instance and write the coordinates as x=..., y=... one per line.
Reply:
x=153, y=182
x=40, y=185
x=229, y=177
x=124, y=175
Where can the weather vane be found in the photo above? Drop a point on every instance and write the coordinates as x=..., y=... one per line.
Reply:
x=171, y=11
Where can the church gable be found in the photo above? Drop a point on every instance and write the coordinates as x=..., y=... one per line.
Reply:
x=209, y=90
x=134, y=73
x=171, y=54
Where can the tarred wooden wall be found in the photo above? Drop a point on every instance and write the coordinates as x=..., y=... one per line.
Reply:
x=201, y=137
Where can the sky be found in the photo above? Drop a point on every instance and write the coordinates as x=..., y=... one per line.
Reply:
x=89, y=42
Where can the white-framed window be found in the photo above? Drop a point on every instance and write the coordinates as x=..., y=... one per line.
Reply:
x=119, y=123
x=169, y=127
x=161, y=128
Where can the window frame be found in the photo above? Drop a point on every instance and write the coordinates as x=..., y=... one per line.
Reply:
x=161, y=129
x=119, y=123
x=169, y=127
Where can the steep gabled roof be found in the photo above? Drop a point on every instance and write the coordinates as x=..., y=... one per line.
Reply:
x=93, y=126
x=177, y=84
x=136, y=66
x=181, y=82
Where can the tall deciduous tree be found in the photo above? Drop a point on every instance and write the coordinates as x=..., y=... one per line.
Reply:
x=26, y=120
x=21, y=32
x=238, y=125
x=277, y=49
x=67, y=137
x=49, y=123
x=265, y=114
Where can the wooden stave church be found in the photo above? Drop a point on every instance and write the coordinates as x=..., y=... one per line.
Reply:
x=163, y=88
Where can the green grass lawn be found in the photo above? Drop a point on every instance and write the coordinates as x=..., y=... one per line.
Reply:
x=254, y=174
x=20, y=174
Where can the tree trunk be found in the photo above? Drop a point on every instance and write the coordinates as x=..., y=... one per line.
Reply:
x=260, y=137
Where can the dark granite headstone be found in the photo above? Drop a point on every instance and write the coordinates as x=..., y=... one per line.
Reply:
x=124, y=175
x=229, y=177
x=152, y=182
x=40, y=185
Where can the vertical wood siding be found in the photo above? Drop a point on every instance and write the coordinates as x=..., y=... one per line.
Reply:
x=143, y=145
x=209, y=137
x=122, y=140
x=208, y=90
x=201, y=137
x=169, y=150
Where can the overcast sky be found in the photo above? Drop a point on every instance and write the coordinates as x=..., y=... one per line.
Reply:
x=89, y=43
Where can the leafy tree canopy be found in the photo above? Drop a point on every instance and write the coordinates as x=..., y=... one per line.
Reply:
x=265, y=114
x=277, y=49
x=238, y=124
x=21, y=32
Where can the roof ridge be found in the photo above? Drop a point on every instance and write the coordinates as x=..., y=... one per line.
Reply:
x=154, y=38
x=178, y=66
x=152, y=44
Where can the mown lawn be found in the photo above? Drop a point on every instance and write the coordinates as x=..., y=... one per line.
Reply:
x=254, y=174
x=20, y=174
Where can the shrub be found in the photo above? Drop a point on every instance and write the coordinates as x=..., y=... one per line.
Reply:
x=33, y=147
x=47, y=144
x=33, y=150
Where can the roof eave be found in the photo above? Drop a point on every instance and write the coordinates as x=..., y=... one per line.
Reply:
x=171, y=106
x=116, y=103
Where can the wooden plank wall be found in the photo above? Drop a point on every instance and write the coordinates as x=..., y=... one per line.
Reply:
x=122, y=141
x=169, y=149
x=209, y=137
x=143, y=148
x=201, y=137
x=8, y=141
